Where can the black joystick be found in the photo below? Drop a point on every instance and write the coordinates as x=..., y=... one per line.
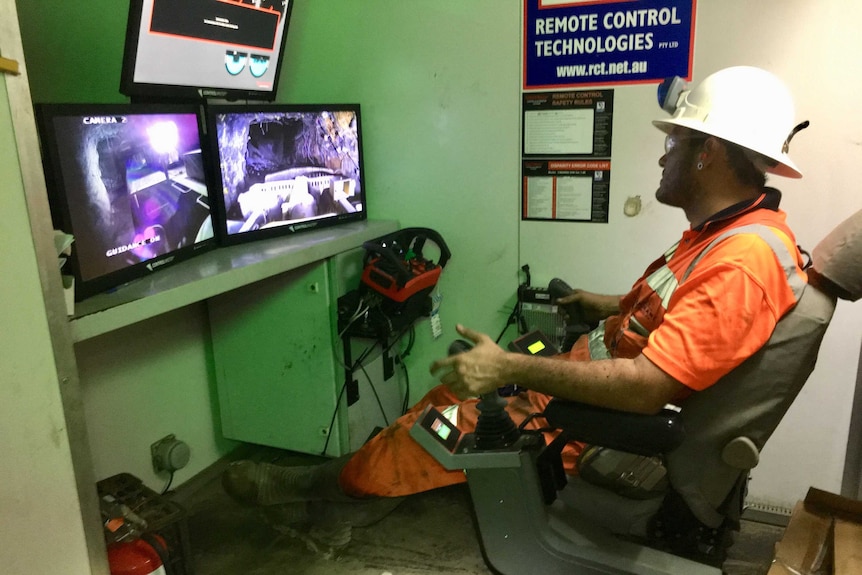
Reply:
x=459, y=346
x=494, y=428
x=576, y=324
x=558, y=289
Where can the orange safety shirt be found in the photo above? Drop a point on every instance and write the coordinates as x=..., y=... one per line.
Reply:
x=698, y=322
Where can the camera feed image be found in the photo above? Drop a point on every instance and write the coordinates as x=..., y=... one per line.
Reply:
x=135, y=187
x=288, y=168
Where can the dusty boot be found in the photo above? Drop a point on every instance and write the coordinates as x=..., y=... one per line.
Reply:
x=256, y=483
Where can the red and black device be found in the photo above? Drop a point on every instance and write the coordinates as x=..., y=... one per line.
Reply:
x=394, y=291
x=396, y=268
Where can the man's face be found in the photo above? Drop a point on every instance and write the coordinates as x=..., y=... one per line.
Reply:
x=678, y=186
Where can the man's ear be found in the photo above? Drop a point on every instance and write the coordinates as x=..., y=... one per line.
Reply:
x=710, y=150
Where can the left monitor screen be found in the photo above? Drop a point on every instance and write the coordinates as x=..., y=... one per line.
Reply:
x=129, y=182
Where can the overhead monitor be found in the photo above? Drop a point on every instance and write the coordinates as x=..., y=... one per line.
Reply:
x=204, y=49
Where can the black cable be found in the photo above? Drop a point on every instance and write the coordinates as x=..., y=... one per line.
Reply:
x=376, y=396
x=363, y=356
x=170, y=480
x=357, y=363
x=516, y=316
x=513, y=318
x=334, y=413
x=406, y=404
x=411, y=329
x=410, y=342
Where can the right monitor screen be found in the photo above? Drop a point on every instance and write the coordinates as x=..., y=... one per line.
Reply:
x=286, y=168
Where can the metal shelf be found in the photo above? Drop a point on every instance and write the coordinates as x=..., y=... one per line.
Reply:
x=215, y=272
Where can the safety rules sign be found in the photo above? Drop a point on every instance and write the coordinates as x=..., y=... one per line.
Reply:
x=566, y=135
x=603, y=42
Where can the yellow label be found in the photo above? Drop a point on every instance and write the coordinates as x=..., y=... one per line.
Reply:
x=536, y=347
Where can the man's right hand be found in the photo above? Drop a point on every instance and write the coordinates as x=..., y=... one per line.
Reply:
x=596, y=307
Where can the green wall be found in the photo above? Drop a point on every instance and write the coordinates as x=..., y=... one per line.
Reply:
x=439, y=88
x=74, y=49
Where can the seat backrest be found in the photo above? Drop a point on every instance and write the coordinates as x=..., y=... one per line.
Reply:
x=751, y=400
x=748, y=402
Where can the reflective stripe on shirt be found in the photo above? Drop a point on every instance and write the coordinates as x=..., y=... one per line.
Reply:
x=779, y=248
x=596, y=343
x=664, y=283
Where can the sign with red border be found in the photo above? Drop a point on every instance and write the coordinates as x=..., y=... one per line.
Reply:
x=602, y=42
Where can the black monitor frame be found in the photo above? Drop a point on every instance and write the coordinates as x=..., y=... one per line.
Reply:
x=119, y=199
x=211, y=44
x=306, y=135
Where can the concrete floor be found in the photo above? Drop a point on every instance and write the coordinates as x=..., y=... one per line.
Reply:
x=428, y=534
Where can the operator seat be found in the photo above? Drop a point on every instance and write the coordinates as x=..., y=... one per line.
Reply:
x=725, y=425
x=528, y=516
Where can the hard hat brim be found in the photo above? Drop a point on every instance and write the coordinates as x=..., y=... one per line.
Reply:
x=784, y=167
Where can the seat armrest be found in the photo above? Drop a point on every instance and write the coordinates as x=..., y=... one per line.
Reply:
x=741, y=453
x=632, y=432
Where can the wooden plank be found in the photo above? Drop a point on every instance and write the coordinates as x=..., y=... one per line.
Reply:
x=9, y=66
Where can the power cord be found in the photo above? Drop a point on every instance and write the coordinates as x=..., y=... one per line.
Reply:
x=401, y=357
x=361, y=309
x=359, y=364
x=168, y=484
x=376, y=395
x=334, y=413
x=515, y=316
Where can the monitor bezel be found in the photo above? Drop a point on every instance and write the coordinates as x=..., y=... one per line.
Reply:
x=152, y=92
x=60, y=196
x=218, y=200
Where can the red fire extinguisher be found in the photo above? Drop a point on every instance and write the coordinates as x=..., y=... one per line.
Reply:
x=145, y=556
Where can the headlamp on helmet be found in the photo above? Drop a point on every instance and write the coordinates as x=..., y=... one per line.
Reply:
x=670, y=93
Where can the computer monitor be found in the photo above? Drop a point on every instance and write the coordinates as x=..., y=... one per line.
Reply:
x=285, y=168
x=130, y=183
x=204, y=49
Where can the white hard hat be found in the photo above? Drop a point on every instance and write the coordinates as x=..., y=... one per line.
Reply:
x=744, y=105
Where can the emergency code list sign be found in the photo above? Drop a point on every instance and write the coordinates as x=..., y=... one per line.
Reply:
x=566, y=190
x=604, y=42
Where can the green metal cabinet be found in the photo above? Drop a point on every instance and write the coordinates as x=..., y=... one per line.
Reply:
x=274, y=362
x=279, y=363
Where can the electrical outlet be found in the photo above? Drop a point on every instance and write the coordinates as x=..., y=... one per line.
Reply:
x=169, y=454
